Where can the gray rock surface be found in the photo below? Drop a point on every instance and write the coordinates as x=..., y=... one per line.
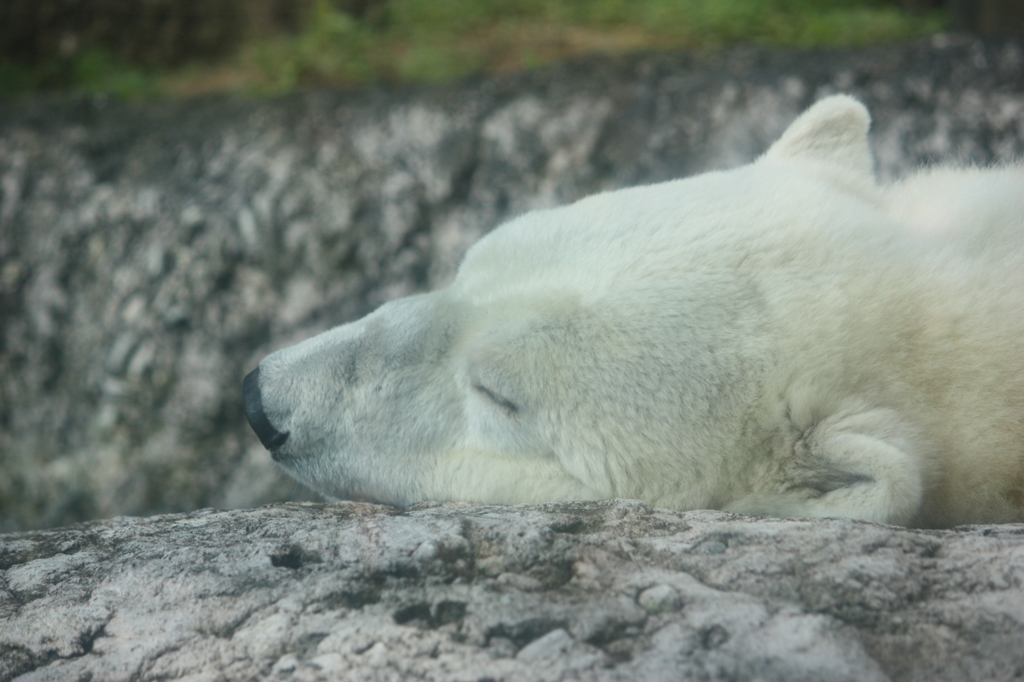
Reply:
x=151, y=254
x=579, y=591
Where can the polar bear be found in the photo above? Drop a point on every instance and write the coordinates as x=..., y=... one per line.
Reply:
x=787, y=338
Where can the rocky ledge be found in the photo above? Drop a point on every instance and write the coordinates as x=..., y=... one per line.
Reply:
x=580, y=591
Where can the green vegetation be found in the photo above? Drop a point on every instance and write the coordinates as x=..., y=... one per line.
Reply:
x=438, y=40
x=94, y=71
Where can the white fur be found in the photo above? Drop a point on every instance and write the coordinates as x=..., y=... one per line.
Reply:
x=785, y=338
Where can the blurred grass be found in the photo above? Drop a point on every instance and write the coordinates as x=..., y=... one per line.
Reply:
x=93, y=71
x=400, y=41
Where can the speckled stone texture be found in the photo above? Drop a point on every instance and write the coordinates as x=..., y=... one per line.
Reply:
x=576, y=591
x=151, y=254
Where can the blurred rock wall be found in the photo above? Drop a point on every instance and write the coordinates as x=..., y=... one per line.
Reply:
x=150, y=255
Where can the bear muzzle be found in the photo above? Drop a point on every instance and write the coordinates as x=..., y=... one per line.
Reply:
x=271, y=438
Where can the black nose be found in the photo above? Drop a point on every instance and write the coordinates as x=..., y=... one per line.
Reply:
x=265, y=431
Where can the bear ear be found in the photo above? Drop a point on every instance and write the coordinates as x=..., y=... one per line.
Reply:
x=834, y=130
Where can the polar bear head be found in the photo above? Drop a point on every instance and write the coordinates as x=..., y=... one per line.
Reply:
x=620, y=346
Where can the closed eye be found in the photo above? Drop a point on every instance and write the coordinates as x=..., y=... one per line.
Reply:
x=501, y=402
